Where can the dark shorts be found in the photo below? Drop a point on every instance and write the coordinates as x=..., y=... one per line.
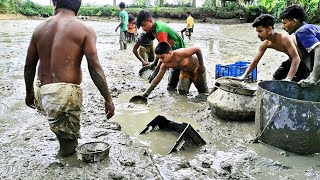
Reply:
x=302, y=73
x=190, y=30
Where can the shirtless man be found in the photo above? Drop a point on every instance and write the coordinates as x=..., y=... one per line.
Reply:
x=290, y=70
x=191, y=68
x=57, y=47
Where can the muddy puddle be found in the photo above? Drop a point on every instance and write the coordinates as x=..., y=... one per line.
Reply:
x=28, y=148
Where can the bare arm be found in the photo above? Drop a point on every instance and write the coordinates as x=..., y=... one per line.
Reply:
x=315, y=74
x=135, y=52
x=30, y=71
x=293, y=54
x=314, y=77
x=261, y=50
x=156, y=80
x=96, y=71
x=121, y=23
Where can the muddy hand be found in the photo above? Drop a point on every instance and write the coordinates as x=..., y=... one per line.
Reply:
x=30, y=101
x=109, y=109
x=145, y=63
x=307, y=82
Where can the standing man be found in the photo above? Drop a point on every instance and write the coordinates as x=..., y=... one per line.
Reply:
x=163, y=33
x=292, y=69
x=56, y=48
x=308, y=41
x=124, y=18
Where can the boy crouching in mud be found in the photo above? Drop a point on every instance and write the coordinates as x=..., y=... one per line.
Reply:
x=191, y=68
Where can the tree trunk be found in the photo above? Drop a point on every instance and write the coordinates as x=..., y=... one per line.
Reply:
x=318, y=12
x=223, y=3
x=194, y=3
x=161, y=3
x=114, y=2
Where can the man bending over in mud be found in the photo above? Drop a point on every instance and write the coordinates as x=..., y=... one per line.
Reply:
x=57, y=47
x=308, y=40
x=191, y=68
x=292, y=69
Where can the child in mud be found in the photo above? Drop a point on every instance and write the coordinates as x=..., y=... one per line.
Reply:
x=132, y=29
x=123, y=15
x=57, y=92
x=292, y=69
x=191, y=68
x=163, y=33
x=190, y=25
x=308, y=40
x=143, y=48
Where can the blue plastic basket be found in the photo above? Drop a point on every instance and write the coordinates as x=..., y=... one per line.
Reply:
x=235, y=70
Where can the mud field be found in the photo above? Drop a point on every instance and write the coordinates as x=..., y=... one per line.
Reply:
x=28, y=148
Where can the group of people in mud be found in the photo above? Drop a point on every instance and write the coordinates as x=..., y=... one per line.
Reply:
x=58, y=45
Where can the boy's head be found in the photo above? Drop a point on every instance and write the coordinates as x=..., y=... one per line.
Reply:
x=292, y=18
x=73, y=5
x=145, y=20
x=131, y=19
x=264, y=25
x=122, y=5
x=188, y=13
x=163, y=50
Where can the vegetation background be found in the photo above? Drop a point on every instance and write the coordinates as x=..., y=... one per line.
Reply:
x=219, y=9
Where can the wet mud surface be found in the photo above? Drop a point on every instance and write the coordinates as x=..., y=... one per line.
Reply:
x=29, y=149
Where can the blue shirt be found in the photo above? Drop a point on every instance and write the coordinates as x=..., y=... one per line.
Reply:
x=308, y=36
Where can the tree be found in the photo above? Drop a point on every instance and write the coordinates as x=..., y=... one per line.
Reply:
x=114, y=2
x=194, y=3
x=161, y=3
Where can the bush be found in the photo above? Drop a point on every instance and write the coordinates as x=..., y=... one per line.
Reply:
x=252, y=12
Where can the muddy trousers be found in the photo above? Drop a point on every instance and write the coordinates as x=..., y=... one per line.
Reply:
x=173, y=79
x=302, y=73
x=123, y=40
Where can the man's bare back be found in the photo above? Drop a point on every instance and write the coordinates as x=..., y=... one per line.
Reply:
x=60, y=42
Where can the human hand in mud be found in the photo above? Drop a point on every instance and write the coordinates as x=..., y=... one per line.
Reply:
x=308, y=82
x=241, y=78
x=30, y=101
x=145, y=63
x=109, y=109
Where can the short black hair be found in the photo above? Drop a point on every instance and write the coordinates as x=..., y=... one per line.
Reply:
x=293, y=12
x=264, y=20
x=122, y=5
x=150, y=36
x=143, y=16
x=131, y=18
x=162, y=48
x=73, y=5
x=188, y=12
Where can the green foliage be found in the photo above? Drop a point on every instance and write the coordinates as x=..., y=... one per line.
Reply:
x=29, y=8
x=252, y=12
x=311, y=9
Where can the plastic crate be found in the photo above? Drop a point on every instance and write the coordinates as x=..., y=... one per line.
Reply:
x=235, y=70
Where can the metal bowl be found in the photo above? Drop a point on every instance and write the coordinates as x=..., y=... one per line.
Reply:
x=93, y=151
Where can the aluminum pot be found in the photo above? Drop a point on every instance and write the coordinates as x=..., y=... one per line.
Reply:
x=93, y=151
x=288, y=116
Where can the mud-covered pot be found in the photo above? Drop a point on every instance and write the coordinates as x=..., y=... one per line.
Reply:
x=233, y=100
x=288, y=116
x=93, y=151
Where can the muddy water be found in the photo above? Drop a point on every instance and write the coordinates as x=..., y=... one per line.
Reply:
x=28, y=149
